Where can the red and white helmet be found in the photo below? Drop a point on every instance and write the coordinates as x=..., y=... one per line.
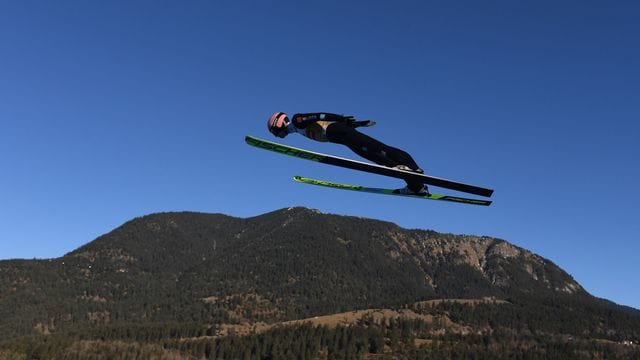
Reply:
x=277, y=124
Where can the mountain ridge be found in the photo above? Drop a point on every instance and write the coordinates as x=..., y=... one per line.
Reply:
x=204, y=272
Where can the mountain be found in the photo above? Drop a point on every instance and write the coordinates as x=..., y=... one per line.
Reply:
x=205, y=276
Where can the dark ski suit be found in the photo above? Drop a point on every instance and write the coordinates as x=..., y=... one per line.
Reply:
x=327, y=127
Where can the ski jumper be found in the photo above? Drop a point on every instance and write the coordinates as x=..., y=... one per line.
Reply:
x=327, y=127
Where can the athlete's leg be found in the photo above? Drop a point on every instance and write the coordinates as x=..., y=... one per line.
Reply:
x=371, y=149
x=363, y=145
x=368, y=147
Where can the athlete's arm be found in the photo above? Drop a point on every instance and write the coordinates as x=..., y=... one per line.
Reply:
x=302, y=120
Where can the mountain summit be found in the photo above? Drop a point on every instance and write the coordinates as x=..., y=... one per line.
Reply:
x=207, y=271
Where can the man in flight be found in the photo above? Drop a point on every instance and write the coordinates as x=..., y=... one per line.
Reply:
x=340, y=129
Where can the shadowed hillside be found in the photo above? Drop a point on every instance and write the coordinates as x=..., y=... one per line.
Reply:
x=191, y=275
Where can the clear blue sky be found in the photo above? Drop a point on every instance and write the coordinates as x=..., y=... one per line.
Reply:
x=115, y=109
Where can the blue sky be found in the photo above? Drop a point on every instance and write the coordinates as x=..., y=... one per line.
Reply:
x=113, y=110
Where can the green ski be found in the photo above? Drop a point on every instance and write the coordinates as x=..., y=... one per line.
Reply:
x=367, y=167
x=390, y=191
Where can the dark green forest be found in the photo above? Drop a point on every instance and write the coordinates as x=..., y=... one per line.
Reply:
x=389, y=339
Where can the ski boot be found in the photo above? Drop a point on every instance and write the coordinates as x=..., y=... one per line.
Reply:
x=422, y=191
x=415, y=189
